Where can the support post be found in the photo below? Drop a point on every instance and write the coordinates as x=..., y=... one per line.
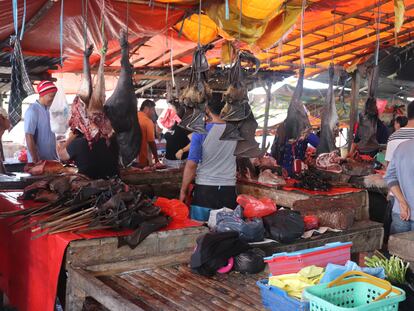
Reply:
x=356, y=78
x=267, y=85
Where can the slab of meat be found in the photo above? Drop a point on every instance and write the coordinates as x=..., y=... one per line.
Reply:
x=87, y=114
x=121, y=109
x=329, y=119
x=329, y=162
x=85, y=90
x=45, y=167
x=332, y=217
x=268, y=178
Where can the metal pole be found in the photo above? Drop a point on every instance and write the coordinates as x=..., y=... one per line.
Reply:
x=267, y=85
x=356, y=78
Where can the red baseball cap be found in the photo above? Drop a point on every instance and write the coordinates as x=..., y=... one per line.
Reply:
x=46, y=87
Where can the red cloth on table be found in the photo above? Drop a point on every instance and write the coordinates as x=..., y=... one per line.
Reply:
x=29, y=269
x=331, y=192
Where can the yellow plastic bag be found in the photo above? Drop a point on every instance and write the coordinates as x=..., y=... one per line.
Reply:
x=208, y=30
x=259, y=9
x=278, y=26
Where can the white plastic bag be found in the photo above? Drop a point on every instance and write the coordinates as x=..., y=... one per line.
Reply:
x=59, y=112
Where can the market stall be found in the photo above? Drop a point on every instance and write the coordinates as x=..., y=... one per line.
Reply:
x=100, y=212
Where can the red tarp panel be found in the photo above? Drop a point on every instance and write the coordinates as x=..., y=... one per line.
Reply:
x=43, y=38
x=29, y=269
x=332, y=192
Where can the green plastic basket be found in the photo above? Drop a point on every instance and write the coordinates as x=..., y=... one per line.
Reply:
x=354, y=291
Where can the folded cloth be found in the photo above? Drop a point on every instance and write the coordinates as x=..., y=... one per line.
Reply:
x=333, y=271
x=21, y=86
x=295, y=283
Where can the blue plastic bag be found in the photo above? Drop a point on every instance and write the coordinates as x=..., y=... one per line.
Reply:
x=333, y=271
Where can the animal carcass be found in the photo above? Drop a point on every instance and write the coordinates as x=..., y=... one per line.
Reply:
x=121, y=109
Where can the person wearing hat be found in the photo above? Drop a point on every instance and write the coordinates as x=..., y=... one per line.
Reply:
x=40, y=140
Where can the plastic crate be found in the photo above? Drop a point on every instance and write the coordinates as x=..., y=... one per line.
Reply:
x=354, y=291
x=276, y=299
x=285, y=263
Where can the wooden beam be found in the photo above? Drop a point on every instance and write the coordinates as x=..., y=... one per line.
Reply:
x=372, y=33
x=356, y=77
x=154, y=4
x=338, y=35
x=364, y=18
x=157, y=58
x=339, y=20
x=361, y=47
x=149, y=85
x=39, y=15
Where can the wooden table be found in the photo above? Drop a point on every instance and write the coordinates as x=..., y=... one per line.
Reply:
x=359, y=200
x=163, y=183
x=159, y=278
x=102, y=256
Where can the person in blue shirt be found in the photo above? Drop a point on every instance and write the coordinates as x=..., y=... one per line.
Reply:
x=40, y=140
x=212, y=164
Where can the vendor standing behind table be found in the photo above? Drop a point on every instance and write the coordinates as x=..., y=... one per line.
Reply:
x=370, y=132
x=399, y=178
x=96, y=160
x=285, y=151
x=178, y=142
x=40, y=140
x=146, y=114
x=402, y=133
x=212, y=163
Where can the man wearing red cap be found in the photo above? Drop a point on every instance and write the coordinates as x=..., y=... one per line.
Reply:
x=40, y=140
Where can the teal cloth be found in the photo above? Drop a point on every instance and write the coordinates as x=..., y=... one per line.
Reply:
x=199, y=213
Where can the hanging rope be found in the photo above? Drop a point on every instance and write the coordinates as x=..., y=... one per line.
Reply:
x=103, y=28
x=302, y=18
x=85, y=23
x=127, y=20
x=61, y=34
x=333, y=40
x=377, y=34
x=15, y=16
x=227, y=10
x=199, y=22
x=240, y=18
x=23, y=20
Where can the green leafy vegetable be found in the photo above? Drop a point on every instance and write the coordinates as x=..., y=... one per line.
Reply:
x=395, y=268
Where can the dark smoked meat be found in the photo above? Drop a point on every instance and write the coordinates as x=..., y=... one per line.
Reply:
x=121, y=109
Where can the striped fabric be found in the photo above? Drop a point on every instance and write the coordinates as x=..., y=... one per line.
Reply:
x=46, y=87
x=21, y=86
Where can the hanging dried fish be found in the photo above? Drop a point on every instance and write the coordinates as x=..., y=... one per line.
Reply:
x=195, y=96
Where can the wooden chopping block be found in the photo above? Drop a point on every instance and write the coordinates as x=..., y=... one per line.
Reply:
x=402, y=245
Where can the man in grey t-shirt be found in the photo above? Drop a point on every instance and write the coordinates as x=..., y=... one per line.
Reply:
x=212, y=163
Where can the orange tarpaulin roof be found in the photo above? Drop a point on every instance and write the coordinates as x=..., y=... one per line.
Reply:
x=339, y=31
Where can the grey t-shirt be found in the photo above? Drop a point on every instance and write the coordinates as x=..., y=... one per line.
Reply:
x=217, y=166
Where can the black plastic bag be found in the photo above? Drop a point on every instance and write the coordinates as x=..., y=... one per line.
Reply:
x=249, y=231
x=214, y=250
x=284, y=226
x=250, y=262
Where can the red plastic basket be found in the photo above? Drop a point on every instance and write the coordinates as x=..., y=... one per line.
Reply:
x=284, y=263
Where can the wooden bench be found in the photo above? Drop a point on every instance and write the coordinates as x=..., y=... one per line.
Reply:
x=155, y=275
x=170, y=288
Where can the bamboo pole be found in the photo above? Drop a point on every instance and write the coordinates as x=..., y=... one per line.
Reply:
x=267, y=86
x=356, y=77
